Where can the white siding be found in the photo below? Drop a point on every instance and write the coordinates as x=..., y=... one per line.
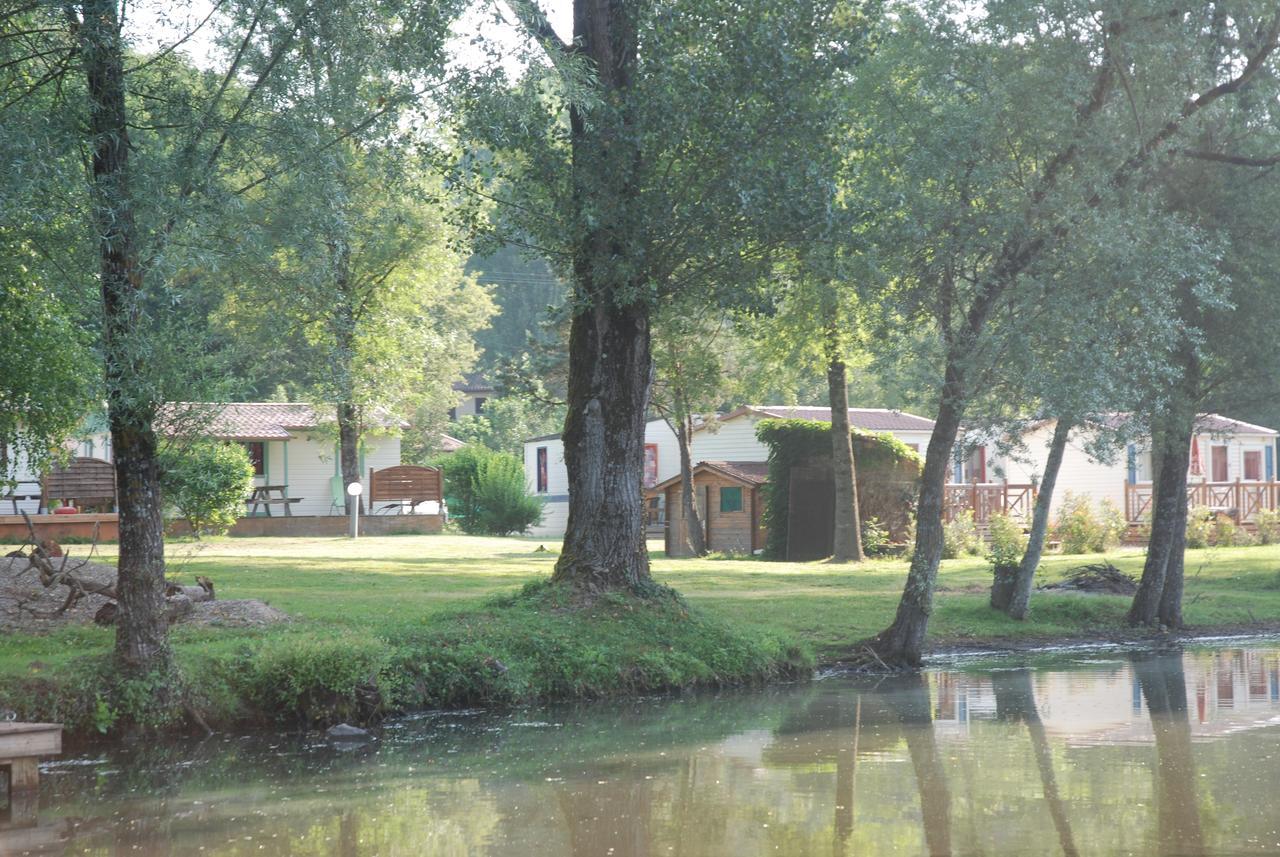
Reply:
x=312, y=464
x=1080, y=474
x=555, y=515
x=732, y=440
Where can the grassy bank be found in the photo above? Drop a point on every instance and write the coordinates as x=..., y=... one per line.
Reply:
x=403, y=622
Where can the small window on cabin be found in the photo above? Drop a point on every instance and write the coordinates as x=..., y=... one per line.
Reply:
x=480, y=400
x=453, y=415
x=542, y=469
x=86, y=449
x=257, y=456
x=730, y=499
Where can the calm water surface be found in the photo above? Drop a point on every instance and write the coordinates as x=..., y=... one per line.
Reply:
x=1078, y=754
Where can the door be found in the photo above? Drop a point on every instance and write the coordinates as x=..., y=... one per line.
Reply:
x=811, y=514
x=1219, y=461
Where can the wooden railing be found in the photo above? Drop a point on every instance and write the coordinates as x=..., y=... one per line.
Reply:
x=1241, y=500
x=989, y=498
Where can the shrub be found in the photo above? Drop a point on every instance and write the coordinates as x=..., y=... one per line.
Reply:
x=1082, y=529
x=875, y=538
x=206, y=482
x=459, y=470
x=1268, y=521
x=1200, y=526
x=960, y=536
x=503, y=504
x=1007, y=541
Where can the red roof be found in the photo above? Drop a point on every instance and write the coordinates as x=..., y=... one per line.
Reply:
x=247, y=420
x=749, y=473
x=867, y=419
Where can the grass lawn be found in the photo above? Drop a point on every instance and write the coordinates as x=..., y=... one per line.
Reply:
x=394, y=583
x=397, y=623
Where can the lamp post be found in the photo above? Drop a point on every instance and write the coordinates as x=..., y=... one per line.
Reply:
x=354, y=490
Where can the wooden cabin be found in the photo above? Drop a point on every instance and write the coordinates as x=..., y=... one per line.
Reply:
x=730, y=504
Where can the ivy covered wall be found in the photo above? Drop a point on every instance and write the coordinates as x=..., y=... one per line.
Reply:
x=888, y=475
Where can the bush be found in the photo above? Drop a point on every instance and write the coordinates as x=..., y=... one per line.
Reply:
x=503, y=504
x=1200, y=527
x=1268, y=521
x=459, y=470
x=960, y=536
x=206, y=482
x=875, y=538
x=1080, y=528
x=1007, y=542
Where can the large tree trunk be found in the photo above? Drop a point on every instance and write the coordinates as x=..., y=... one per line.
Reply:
x=848, y=528
x=610, y=364
x=141, y=630
x=1169, y=516
x=1019, y=594
x=694, y=534
x=902, y=643
x=349, y=451
x=1171, y=597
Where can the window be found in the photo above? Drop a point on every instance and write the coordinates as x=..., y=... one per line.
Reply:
x=975, y=466
x=541, y=454
x=1253, y=465
x=257, y=456
x=480, y=400
x=1197, y=467
x=453, y=415
x=650, y=465
x=86, y=449
x=730, y=499
x=1219, y=460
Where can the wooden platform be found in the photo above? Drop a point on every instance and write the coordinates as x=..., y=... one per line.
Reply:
x=22, y=745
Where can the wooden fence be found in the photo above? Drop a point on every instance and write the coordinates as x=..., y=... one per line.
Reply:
x=1241, y=500
x=985, y=499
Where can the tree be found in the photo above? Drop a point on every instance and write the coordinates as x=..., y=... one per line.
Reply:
x=1001, y=138
x=363, y=268
x=687, y=151
x=206, y=482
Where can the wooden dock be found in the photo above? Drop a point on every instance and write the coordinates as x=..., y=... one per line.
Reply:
x=21, y=746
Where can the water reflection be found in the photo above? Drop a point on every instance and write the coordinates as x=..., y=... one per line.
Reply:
x=1168, y=754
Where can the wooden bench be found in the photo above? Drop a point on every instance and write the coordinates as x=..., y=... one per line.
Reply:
x=83, y=482
x=405, y=484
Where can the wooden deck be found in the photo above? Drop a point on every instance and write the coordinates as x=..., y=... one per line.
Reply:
x=21, y=746
x=985, y=499
x=1241, y=500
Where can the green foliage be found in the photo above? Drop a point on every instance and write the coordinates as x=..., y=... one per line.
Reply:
x=1006, y=541
x=877, y=457
x=1082, y=528
x=1268, y=522
x=507, y=422
x=206, y=481
x=1200, y=526
x=875, y=538
x=459, y=471
x=503, y=504
x=319, y=678
x=960, y=536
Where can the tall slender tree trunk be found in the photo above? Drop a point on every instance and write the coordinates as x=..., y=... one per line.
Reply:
x=847, y=545
x=349, y=451
x=1169, y=516
x=1171, y=596
x=610, y=364
x=902, y=643
x=1015, y=701
x=694, y=534
x=141, y=627
x=1019, y=595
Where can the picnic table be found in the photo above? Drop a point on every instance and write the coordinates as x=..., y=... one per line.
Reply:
x=266, y=496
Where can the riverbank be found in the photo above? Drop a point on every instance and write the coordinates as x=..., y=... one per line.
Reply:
x=406, y=622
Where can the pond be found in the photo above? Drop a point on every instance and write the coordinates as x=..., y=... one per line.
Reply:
x=1074, y=753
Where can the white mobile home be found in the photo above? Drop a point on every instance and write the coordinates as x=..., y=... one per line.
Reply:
x=1225, y=453
x=731, y=437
